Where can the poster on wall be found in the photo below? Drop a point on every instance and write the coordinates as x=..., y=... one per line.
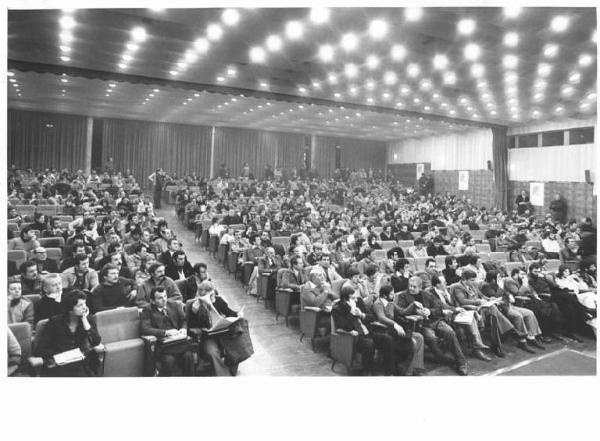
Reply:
x=536, y=193
x=463, y=180
x=420, y=170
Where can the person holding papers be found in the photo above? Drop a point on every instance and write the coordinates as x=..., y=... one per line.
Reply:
x=67, y=342
x=164, y=319
x=417, y=301
x=526, y=325
x=440, y=301
x=467, y=295
x=211, y=313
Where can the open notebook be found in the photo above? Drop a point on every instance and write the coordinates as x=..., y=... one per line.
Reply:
x=220, y=323
x=68, y=357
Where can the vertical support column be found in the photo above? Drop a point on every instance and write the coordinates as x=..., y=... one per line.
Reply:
x=88, y=145
x=212, y=152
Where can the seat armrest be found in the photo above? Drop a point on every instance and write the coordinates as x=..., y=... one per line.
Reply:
x=470, y=307
x=545, y=295
x=414, y=318
x=378, y=325
x=150, y=339
x=284, y=290
x=343, y=331
x=36, y=364
x=196, y=333
x=312, y=308
x=522, y=298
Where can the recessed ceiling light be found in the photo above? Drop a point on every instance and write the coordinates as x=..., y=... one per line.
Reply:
x=398, y=52
x=294, y=30
x=64, y=80
x=353, y=90
x=440, y=61
x=231, y=71
x=449, y=78
x=370, y=100
x=413, y=70
x=273, y=43
x=319, y=15
x=132, y=47
x=559, y=23
x=370, y=85
x=378, y=28
x=550, y=50
x=173, y=72
x=510, y=61
x=190, y=56
x=512, y=11
x=107, y=94
x=67, y=22
x=12, y=80
x=66, y=49
x=316, y=84
x=559, y=109
x=302, y=89
x=567, y=90
x=540, y=84
x=214, y=32
x=138, y=34
x=349, y=42
x=585, y=60
x=511, y=39
x=591, y=96
x=126, y=57
x=326, y=53
x=413, y=14
x=404, y=91
x=257, y=54
x=372, y=62
x=264, y=84
x=230, y=17
x=332, y=78
x=477, y=70
x=539, y=96
x=472, y=51
x=511, y=77
x=544, y=69
x=390, y=78
x=426, y=85
x=66, y=37
x=350, y=70
x=574, y=77
x=201, y=44
x=466, y=26
x=10, y=74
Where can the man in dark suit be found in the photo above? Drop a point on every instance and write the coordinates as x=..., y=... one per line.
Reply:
x=164, y=318
x=294, y=278
x=433, y=325
x=167, y=257
x=189, y=288
x=180, y=268
x=44, y=265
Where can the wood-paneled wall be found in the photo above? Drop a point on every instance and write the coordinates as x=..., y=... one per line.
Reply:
x=481, y=185
x=44, y=140
x=578, y=195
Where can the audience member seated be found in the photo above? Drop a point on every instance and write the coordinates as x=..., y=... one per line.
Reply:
x=574, y=314
x=525, y=324
x=44, y=265
x=349, y=317
x=418, y=249
x=550, y=245
x=20, y=310
x=113, y=291
x=157, y=279
x=31, y=280
x=317, y=292
x=164, y=319
x=546, y=312
x=437, y=248
x=468, y=295
x=50, y=303
x=26, y=241
x=179, y=268
x=72, y=329
x=80, y=275
x=167, y=257
x=401, y=275
x=13, y=357
x=386, y=313
x=203, y=312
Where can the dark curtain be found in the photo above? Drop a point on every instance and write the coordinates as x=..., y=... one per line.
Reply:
x=143, y=146
x=235, y=146
x=45, y=140
x=500, y=155
x=355, y=154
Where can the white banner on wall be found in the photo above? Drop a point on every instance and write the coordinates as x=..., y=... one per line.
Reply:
x=420, y=170
x=463, y=180
x=536, y=193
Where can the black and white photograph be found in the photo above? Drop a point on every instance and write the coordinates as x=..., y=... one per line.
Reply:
x=307, y=193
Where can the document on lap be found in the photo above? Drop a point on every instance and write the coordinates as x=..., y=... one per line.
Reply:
x=68, y=357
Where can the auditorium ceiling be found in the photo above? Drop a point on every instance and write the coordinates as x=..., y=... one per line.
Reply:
x=373, y=73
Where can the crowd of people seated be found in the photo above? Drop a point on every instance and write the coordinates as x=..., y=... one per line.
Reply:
x=98, y=245
x=410, y=269
x=431, y=256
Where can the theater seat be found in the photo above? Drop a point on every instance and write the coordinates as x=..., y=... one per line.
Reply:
x=342, y=347
x=22, y=332
x=124, y=349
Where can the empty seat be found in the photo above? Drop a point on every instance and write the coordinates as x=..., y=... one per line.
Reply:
x=49, y=210
x=406, y=243
x=420, y=262
x=499, y=256
x=483, y=248
x=13, y=227
x=17, y=256
x=552, y=265
x=25, y=210
x=54, y=254
x=125, y=350
x=388, y=244
x=379, y=254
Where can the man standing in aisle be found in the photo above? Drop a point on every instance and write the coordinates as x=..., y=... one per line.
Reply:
x=158, y=179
